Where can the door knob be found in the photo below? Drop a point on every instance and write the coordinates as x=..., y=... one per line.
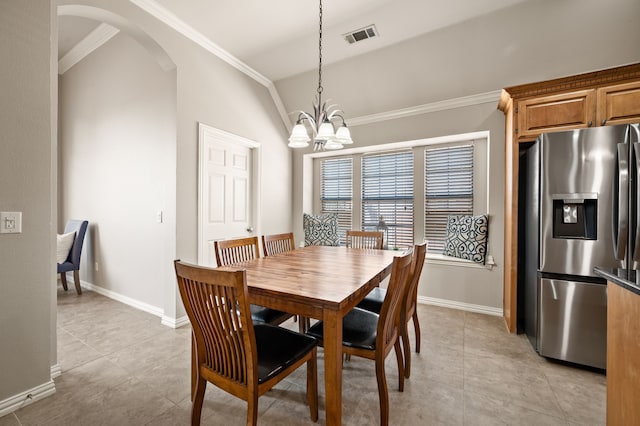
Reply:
x=249, y=228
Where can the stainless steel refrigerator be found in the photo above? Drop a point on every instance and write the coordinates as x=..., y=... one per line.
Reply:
x=580, y=211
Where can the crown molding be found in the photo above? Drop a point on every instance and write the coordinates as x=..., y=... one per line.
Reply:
x=280, y=106
x=93, y=40
x=464, y=101
x=587, y=80
x=169, y=18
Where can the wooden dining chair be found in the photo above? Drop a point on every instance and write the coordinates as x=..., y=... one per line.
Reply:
x=365, y=239
x=235, y=251
x=233, y=353
x=372, y=336
x=277, y=243
x=282, y=243
x=374, y=300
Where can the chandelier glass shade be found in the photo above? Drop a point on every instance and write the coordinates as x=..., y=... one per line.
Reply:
x=321, y=121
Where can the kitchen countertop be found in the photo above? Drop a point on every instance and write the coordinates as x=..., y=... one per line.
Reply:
x=629, y=280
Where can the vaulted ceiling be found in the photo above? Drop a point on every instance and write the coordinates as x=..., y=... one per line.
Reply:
x=279, y=38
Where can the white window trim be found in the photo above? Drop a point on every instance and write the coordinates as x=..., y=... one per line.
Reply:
x=438, y=259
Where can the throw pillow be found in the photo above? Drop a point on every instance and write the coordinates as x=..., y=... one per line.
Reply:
x=320, y=230
x=467, y=237
x=65, y=242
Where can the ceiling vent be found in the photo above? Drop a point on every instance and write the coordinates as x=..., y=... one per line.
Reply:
x=361, y=34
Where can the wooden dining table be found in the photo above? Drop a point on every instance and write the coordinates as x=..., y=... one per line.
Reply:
x=322, y=283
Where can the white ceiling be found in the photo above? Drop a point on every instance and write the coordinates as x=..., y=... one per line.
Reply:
x=279, y=38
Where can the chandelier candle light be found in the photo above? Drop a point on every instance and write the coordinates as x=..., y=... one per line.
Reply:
x=325, y=135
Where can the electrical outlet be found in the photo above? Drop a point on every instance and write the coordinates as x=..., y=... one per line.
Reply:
x=96, y=267
x=10, y=222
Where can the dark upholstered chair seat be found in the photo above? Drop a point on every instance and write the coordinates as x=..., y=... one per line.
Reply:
x=359, y=329
x=278, y=348
x=66, y=267
x=267, y=315
x=373, y=301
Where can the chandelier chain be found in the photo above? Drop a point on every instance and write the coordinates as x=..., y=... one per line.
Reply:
x=323, y=118
x=320, y=53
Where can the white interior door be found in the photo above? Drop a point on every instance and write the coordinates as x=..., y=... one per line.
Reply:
x=227, y=193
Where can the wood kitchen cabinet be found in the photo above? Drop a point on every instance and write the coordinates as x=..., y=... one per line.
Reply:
x=604, y=97
x=619, y=104
x=552, y=113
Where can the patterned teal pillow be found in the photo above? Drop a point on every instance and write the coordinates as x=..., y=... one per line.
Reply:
x=321, y=230
x=467, y=237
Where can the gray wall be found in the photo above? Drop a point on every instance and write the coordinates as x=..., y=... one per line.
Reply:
x=117, y=120
x=531, y=41
x=27, y=166
x=206, y=90
x=210, y=91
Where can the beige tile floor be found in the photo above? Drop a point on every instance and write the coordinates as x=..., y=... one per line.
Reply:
x=120, y=366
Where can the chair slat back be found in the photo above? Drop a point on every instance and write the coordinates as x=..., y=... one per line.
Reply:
x=229, y=252
x=411, y=292
x=389, y=314
x=365, y=239
x=217, y=305
x=278, y=243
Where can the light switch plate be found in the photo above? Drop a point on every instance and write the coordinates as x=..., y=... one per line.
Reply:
x=10, y=222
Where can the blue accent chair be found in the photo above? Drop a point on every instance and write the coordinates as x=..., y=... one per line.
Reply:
x=73, y=260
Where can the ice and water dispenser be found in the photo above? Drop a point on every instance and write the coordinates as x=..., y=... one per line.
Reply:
x=575, y=216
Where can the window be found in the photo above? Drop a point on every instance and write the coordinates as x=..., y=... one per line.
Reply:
x=414, y=185
x=448, y=188
x=336, y=182
x=387, y=194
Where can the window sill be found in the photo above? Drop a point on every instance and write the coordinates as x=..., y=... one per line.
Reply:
x=440, y=259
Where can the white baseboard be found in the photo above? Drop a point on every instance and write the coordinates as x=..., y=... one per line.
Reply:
x=27, y=397
x=153, y=310
x=56, y=371
x=175, y=322
x=481, y=309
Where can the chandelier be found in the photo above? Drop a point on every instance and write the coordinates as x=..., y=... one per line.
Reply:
x=321, y=120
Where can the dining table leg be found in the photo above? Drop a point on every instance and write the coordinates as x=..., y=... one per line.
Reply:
x=333, y=366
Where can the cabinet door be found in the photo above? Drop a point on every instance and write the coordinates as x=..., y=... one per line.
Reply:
x=556, y=112
x=623, y=356
x=619, y=104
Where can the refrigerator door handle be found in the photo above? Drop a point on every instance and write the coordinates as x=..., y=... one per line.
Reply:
x=621, y=202
x=636, y=246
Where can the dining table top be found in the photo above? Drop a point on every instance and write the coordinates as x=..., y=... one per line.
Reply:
x=328, y=276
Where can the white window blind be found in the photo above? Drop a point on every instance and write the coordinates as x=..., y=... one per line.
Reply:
x=336, y=182
x=448, y=190
x=387, y=192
